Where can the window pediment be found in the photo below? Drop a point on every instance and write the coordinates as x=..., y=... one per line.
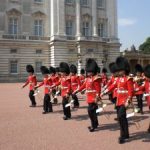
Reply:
x=39, y=13
x=14, y=11
x=86, y=17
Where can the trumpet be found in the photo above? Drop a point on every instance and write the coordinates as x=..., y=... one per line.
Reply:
x=139, y=80
x=101, y=108
x=134, y=110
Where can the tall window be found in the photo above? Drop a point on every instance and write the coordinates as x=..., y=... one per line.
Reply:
x=85, y=28
x=69, y=1
x=101, y=29
x=38, y=27
x=69, y=27
x=38, y=65
x=84, y=2
x=13, y=67
x=39, y=1
x=13, y=51
x=13, y=26
x=38, y=51
x=100, y=3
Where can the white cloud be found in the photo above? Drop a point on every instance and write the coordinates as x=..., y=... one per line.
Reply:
x=126, y=21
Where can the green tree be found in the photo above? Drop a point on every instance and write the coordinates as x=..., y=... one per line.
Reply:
x=145, y=47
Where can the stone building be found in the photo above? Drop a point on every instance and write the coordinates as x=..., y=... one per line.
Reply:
x=135, y=56
x=46, y=32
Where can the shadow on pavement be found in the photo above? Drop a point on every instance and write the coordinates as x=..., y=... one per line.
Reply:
x=110, y=127
x=144, y=136
x=81, y=117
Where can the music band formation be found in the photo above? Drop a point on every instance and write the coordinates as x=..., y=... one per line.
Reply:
x=121, y=87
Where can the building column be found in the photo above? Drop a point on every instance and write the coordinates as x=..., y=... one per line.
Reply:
x=53, y=18
x=61, y=17
x=78, y=28
x=94, y=18
x=111, y=9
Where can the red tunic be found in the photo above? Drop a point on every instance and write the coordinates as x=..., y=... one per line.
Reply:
x=65, y=83
x=93, y=88
x=47, y=82
x=124, y=91
x=136, y=86
x=31, y=81
x=75, y=82
x=104, y=79
x=146, y=88
x=54, y=78
x=82, y=79
x=116, y=79
x=110, y=81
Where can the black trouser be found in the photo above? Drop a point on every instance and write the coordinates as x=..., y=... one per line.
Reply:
x=123, y=122
x=32, y=98
x=47, y=105
x=93, y=115
x=115, y=101
x=140, y=101
x=66, y=110
x=110, y=96
x=76, y=101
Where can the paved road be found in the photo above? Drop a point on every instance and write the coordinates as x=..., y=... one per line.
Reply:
x=25, y=128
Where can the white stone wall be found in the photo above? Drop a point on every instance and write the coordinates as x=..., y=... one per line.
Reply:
x=54, y=14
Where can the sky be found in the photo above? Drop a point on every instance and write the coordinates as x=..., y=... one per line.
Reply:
x=133, y=22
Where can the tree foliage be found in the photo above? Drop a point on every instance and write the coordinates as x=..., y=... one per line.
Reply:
x=145, y=47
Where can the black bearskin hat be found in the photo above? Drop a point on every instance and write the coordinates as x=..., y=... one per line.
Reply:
x=64, y=67
x=98, y=70
x=138, y=68
x=147, y=71
x=113, y=67
x=57, y=69
x=44, y=70
x=73, y=69
x=52, y=70
x=29, y=69
x=91, y=66
x=122, y=64
x=82, y=71
x=104, y=70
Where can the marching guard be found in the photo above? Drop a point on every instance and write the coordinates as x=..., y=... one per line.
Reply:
x=65, y=84
x=93, y=89
x=47, y=83
x=31, y=80
x=54, y=77
x=82, y=76
x=138, y=81
x=146, y=87
x=113, y=79
x=104, y=77
x=125, y=92
x=75, y=84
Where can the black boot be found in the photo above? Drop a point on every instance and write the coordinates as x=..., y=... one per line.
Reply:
x=121, y=140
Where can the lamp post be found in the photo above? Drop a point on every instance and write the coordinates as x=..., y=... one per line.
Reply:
x=79, y=57
x=105, y=58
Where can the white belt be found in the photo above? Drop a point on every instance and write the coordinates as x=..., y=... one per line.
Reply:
x=74, y=83
x=47, y=86
x=122, y=91
x=90, y=91
x=64, y=87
